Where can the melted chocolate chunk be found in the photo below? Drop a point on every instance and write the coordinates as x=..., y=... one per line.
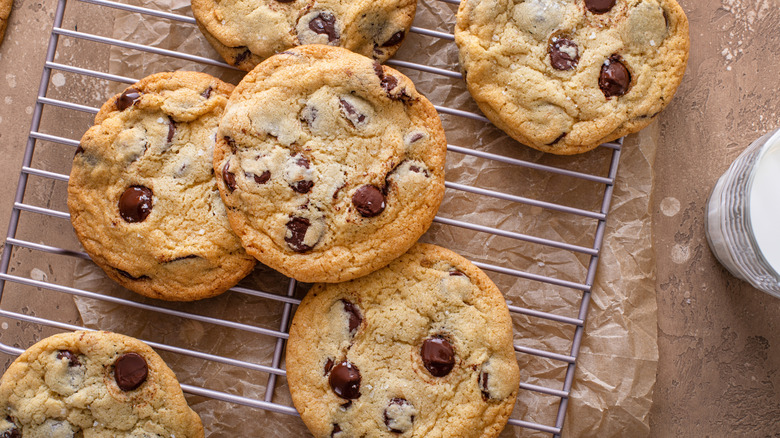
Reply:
x=345, y=380
x=416, y=137
x=369, y=201
x=346, y=405
x=391, y=421
x=263, y=177
x=599, y=6
x=336, y=429
x=73, y=360
x=352, y=114
x=483, y=385
x=560, y=137
x=388, y=82
x=13, y=432
x=456, y=273
x=615, y=78
x=328, y=366
x=127, y=99
x=241, y=57
x=171, y=129
x=187, y=257
x=130, y=371
x=229, y=177
x=231, y=143
x=438, y=356
x=135, y=204
x=298, y=227
x=355, y=318
x=303, y=186
x=128, y=275
x=395, y=39
x=79, y=150
x=564, y=53
x=206, y=94
x=325, y=24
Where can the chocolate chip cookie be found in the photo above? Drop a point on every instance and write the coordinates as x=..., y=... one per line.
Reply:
x=331, y=165
x=564, y=76
x=5, y=11
x=247, y=32
x=94, y=384
x=142, y=194
x=421, y=348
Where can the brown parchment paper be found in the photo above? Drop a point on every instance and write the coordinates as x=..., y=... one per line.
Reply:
x=617, y=363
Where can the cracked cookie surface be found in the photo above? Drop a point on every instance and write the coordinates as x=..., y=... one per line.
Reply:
x=245, y=32
x=420, y=348
x=93, y=384
x=142, y=194
x=564, y=76
x=330, y=164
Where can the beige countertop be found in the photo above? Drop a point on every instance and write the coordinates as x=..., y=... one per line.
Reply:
x=718, y=338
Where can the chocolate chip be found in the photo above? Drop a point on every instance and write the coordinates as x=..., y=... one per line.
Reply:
x=127, y=99
x=229, y=177
x=564, y=54
x=79, y=150
x=560, y=137
x=13, y=432
x=456, y=273
x=615, y=78
x=187, y=257
x=369, y=201
x=395, y=39
x=345, y=380
x=336, y=429
x=231, y=143
x=354, y=315
x=241, y=57
x=599, y=6
x=395, y=420
x=438, y=356
x=73, y=360
x=128, y=275
x=351, y=113
x=417, y=136
x=206, y=94
x=263, y=177
x=346, y=405
x=130, y=371
x=135, y=204
x=328, y=366
x=298, y=227
x=171, y=129
x=303, y=186
x=483, y=385
x=388, y=82
x=325, y=24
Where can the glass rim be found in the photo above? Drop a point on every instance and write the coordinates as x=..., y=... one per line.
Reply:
x=772, y=139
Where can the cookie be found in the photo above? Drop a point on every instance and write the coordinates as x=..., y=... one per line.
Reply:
x=93, y=384
x=564, y=76
x=5, y=11
x=142, y=194
x=331, y=165
x=245, y=33
x=421, y=348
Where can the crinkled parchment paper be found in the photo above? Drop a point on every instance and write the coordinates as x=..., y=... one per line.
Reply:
x=616, y=369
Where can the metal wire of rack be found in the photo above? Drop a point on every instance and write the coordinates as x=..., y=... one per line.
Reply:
x=288, y=300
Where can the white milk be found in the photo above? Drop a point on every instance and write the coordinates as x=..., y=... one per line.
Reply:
x=743, y=215
x=764, y=206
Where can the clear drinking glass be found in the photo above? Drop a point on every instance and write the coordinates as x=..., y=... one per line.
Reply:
x=743, y=215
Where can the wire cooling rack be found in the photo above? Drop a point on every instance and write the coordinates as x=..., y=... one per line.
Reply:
x=46, y=218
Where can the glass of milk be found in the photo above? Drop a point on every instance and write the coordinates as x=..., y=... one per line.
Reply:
x=743, y=215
